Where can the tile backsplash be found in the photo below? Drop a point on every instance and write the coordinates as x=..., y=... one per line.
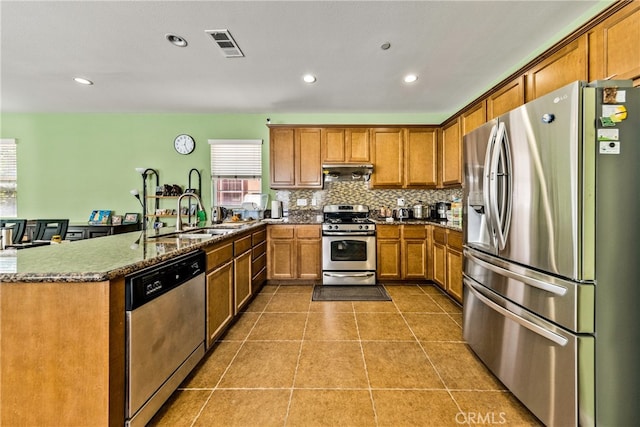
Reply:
x=360, y=193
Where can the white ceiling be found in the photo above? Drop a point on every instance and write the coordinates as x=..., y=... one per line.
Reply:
x=459, y=49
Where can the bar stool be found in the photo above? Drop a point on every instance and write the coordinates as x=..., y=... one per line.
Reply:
x=18, y=227
x=47, y=228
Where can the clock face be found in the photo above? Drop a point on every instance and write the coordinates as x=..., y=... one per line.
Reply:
x=184, y=144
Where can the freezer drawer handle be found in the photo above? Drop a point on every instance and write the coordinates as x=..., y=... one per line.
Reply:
x=348, y=275
x=551, y=336
x=554, y=289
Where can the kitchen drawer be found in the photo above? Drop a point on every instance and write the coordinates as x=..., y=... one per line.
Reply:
x=258, y=250
x=454, y=239
x=388, y=231
x=280, y=231
x=258, y=237
x=258, y=279
x=414, y=232
x=440, y=235
x=308, y=231
x=219, y=255
x=259, y=263
x=241, y=245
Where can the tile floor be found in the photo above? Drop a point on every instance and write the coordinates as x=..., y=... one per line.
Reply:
x=290, y=361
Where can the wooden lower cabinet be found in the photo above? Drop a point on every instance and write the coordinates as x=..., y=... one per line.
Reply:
x=220, y=310
x=447, y=261
x=402, y=252
x=294, y=252
x=258, y=259
x=241, y=272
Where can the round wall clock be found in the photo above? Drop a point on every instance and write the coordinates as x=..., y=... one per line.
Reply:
x=184, y=144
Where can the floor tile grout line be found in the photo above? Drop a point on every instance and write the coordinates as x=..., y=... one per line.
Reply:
x=366, y=370
x=429, y=358
x=229, y=364
x=295, y=372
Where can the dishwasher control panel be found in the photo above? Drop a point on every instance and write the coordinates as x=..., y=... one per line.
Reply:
x=148, y=284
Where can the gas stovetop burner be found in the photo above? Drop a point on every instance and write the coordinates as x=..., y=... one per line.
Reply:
x=347, y=218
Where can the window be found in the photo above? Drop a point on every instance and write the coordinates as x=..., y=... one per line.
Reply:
x=236, y=170
x=8, y=178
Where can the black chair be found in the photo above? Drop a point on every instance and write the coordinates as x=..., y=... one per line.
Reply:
x=17, y=225
x=47, y=228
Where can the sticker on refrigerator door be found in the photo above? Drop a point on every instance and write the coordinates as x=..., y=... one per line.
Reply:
x=616, y=113
x=611, y=95
x=608, y=134
x=609, y=147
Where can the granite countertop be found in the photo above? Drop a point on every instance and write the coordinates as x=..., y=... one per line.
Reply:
x=99, y=259
x=106, y=258
x=445, y=224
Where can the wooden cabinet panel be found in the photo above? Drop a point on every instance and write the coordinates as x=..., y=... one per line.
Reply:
x=345, y=145
x=561, y=68
x=309, y=258
x=388, y=259
x=294, y=155
x=451, y=155
x=219, y=301
x=241, y=245
x=506, y=98
x=294, y=252
x=357, y=149
x=420, y=158
x=242, y=280
x=454, y=274
x=474, y=118
x=308, y=164
x=219, y=255
x=402, y=252
x=414, y=254
x=387, y=155
x=282, y=157
x=439, y=264
x=614, y=46
x=333, y=146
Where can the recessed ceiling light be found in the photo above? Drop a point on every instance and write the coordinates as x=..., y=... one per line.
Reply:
x=176, y=40
x=309, y=78
x=83, y=81
x=410, y=78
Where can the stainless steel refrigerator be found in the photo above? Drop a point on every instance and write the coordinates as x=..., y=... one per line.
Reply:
x=552, y=255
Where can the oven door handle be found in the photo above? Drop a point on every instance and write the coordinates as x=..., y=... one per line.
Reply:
x=349, y=275
x=349, y=233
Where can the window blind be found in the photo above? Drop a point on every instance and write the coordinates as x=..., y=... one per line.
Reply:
x=8, y=178
x=236, y=158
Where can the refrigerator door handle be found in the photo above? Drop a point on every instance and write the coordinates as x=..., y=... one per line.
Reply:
x=551, y=336
x=500, y=188
x=554, y=289
x=486, y=185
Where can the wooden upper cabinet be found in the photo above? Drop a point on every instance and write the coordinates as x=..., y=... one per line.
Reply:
x=614, y=46
x=307, y=158
x=506, y=98
x=387, y=155
x=345, y=145
x=450, y=155
x=559, y=69
x=295, y=158
x=474, y=117
x=281, y=156
x=420, y=158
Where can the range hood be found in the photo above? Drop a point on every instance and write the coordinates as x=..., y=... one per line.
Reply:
x=346, y=172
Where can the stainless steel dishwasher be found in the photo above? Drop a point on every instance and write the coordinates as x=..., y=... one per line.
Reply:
x=165, y=331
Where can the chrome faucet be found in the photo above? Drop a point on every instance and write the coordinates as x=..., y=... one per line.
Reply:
x=179, y=215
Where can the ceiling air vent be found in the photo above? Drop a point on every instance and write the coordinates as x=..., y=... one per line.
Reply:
x=226, y=43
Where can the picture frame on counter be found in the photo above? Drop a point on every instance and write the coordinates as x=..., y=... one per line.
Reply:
x=116, y=220
x=100, y=217
x=131, y=218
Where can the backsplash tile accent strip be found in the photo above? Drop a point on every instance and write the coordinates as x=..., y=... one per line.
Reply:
x=360, y=193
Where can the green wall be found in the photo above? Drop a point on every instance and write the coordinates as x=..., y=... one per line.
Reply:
x=71, y=164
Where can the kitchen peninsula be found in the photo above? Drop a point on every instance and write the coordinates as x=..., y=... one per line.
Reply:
x=62, y=323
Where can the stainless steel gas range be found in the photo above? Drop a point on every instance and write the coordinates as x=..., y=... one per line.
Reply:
x=348, y=246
